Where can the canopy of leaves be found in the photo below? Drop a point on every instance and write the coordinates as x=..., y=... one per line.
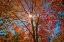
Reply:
x=40, y=26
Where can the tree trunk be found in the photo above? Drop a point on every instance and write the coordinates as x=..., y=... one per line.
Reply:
x=37, y=32
x=33, y=29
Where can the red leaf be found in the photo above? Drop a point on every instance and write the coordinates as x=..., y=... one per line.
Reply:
x=47, y=10
x=52, y=26
x=60, y=0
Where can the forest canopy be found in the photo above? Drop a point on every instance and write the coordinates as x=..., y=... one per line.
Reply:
x=31, y=20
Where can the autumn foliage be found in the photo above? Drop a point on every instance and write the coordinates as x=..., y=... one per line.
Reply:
x=40, y=27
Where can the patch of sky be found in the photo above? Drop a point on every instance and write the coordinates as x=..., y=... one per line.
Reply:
x=46, y=12
x=50, y=37
x=7, y=22
x=4, y=26
x=58, y=21
x=10, y=29
x=19, y=14
x=54, y=9
x=23, y=3
x=1, y=21
x=61, y=13
x=18, y=22
x=56, y=29
x=2, y=32
x=50, y=10
x=46, y=5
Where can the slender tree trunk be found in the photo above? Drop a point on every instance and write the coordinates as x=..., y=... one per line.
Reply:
x=37, y=32
x=33, y=29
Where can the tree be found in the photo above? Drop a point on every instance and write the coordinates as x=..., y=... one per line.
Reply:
x=37, y=20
